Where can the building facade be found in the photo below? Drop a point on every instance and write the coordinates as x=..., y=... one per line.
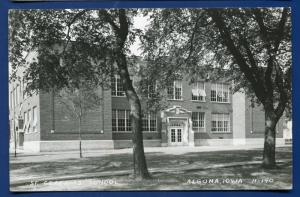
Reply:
x=199, y=114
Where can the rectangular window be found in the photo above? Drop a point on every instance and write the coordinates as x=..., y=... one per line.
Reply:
x=145, y=122
x=220, y=123
x=116, y=86
x=174, y=90
x=219, y=93
x=198, y=119
x=198, y=91
x=121, y=120
x=128, y=121
x=114, y=120
x=25, y=122
x=149, y=122
x=34, y=119
x=152, y=90
x=29, y=116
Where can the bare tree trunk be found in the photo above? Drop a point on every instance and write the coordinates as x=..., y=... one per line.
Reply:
x=140, y=165
x=139, y=160
x=269, y=160
x=121, y=33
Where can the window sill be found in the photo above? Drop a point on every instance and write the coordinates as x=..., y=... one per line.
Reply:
x=200, y=132
x=216, y=132
x=198, y=101
x=118, y=96
x=220, y=102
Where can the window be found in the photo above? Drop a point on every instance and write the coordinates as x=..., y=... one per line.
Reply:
x=29, y=120
x=34, y=119
x=121, y=120
x=149, y=122
x=116, y=86
x=220, y=123
x=198, y=91
x=174, y=90
x=128, y=121
x=219, y=93
x=25, y=122
x=152, y=90
x=198, y=119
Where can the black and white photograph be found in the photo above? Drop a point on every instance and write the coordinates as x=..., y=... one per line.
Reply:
x=132, y=99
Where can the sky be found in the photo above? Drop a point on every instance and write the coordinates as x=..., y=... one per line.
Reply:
x=140, y=22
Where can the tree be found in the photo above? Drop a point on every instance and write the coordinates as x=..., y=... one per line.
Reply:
x=250, y=46
x=78, y=102
x=91, y=42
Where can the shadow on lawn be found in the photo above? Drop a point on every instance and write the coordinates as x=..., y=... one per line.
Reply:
x=115, y=162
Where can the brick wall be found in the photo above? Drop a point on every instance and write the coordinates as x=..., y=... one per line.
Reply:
x=96, y=125
x=255, y=122
x=208, y=107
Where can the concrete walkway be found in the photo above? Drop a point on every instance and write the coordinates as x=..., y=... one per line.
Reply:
x=166, y=150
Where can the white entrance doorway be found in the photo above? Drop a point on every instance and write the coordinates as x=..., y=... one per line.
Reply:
x=176, y=136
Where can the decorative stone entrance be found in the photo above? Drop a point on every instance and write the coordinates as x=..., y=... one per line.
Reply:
x=176, y=127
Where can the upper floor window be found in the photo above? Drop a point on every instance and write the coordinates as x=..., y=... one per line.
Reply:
x=152, y=90
x=174, y=90
x=220, y=123
x=219, y=93
x=149, y=122
x=198, y=91
x=198, y=119
x=116, y=86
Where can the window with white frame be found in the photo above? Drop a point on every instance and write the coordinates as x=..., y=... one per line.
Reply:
x=219, y=93
x=198, y=91
x=220, y=123
x=34, y=119
x=174, y=90
x=149, y=122
x=198, y=120
x=117, y=88
x=121, y=120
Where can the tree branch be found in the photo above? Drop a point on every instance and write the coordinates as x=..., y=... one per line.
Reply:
x=229, y=43
x=280, y=30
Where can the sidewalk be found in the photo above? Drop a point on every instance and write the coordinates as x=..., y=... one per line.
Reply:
x=165, y=150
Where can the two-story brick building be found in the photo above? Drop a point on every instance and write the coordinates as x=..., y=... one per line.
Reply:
x=198, y=114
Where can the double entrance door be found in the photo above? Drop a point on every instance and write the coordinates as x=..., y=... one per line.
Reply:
x=175, y=136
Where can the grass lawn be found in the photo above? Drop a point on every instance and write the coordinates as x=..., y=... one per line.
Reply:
x=238, y=169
